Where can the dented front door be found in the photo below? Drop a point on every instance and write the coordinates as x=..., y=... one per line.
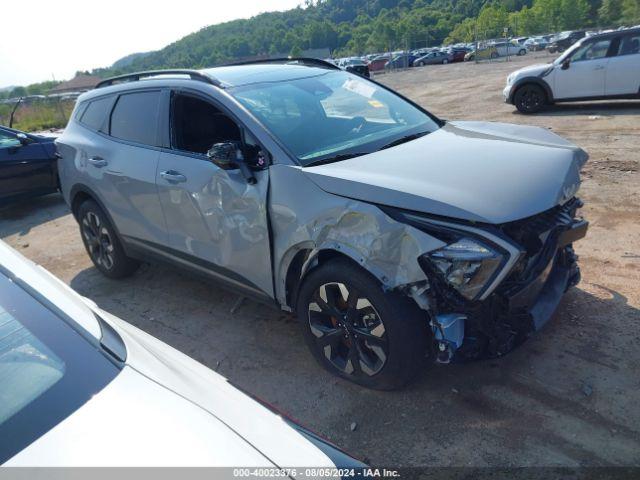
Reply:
x=216, y=220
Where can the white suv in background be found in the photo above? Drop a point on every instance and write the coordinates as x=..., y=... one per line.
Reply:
x=605, y=66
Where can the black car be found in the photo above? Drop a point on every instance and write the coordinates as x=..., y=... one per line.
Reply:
x=565, y=40
x=356, y=66
x=28, y=165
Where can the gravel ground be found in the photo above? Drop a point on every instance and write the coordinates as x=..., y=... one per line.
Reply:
x=569, y=396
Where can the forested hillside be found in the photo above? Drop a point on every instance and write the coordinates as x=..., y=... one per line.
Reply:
x=350, y=27
x=360, y=26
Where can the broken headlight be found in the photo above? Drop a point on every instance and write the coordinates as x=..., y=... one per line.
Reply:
x=466, y=265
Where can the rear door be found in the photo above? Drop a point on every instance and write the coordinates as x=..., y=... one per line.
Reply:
x=216, y=221
x=121, y=167
x=623, y=70
x=586, y=72
x=24, y=169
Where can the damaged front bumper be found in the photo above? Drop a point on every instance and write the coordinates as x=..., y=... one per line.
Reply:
x=506, y=320
x=522, y=304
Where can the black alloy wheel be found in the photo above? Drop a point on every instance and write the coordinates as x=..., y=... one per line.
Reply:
x=102, y=243
x=348, y=330
x=359, y=331
x=529, y=99
x=98, y=241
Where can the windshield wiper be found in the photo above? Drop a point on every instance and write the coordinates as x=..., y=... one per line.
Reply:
x=335, y=158
x=405, y=139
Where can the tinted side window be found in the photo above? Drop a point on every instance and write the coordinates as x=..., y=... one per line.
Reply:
x=96, y=113
x=592, y=51
x=630, y=44
x=135, y=117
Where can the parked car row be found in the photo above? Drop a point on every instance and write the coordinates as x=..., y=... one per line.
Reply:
x=487, y=49
x=495, y=50
x=401, y=59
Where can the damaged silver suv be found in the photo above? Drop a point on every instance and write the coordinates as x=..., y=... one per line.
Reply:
x=394, y=236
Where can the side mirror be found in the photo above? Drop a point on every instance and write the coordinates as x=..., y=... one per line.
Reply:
x=229, y=156
x=23, y=139
x=225, y=155
x=565, y=64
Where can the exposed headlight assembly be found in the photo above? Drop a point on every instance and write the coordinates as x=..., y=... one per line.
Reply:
x=472, y=260
x=467, y=265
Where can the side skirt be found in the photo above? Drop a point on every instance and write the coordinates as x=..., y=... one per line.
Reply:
x=151, y=253
x=631, y=96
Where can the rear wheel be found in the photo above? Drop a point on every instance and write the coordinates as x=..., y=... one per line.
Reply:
x=359, y=332
x=522, y=52
x=494, y=55
x=102, y=244
x=530, y=99
x=445, y=61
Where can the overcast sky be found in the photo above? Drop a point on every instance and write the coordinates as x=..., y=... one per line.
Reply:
x=45, y=39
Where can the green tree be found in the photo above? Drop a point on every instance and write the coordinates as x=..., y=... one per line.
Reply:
x=492, y=20
x=18, y=92
x=631, y=12
x=610, y=12
x=525, y=22
x=574, y=14
x=549, y=14
x=463, y=32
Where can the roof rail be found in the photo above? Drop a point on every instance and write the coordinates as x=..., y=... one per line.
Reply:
x=134, y=77
x=307, y=61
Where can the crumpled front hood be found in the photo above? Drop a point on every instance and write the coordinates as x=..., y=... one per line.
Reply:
x=476, y=171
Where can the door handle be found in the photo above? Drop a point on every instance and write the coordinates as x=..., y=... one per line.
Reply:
x=98, y=162
x=173, y=177
x=599, y=67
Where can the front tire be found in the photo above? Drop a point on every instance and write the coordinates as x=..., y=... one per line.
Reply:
x=445, y=61
x=102, y=243
x=530, y=99
x=522, y=52
x=359, y=332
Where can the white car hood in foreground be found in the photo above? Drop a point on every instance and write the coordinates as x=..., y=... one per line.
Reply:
x=134, y=421
x=165, y=409
x=162, y=409
x=266, y=431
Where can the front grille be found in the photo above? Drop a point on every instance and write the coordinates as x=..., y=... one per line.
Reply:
x=528, y=230
x=538, y=235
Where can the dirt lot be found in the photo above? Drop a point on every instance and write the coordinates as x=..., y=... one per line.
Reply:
x=569, y=396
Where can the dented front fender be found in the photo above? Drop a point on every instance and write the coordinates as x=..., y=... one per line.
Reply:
x=304, y=217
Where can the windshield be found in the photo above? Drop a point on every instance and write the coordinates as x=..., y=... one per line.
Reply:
x=335, y=114
x=568, y=53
